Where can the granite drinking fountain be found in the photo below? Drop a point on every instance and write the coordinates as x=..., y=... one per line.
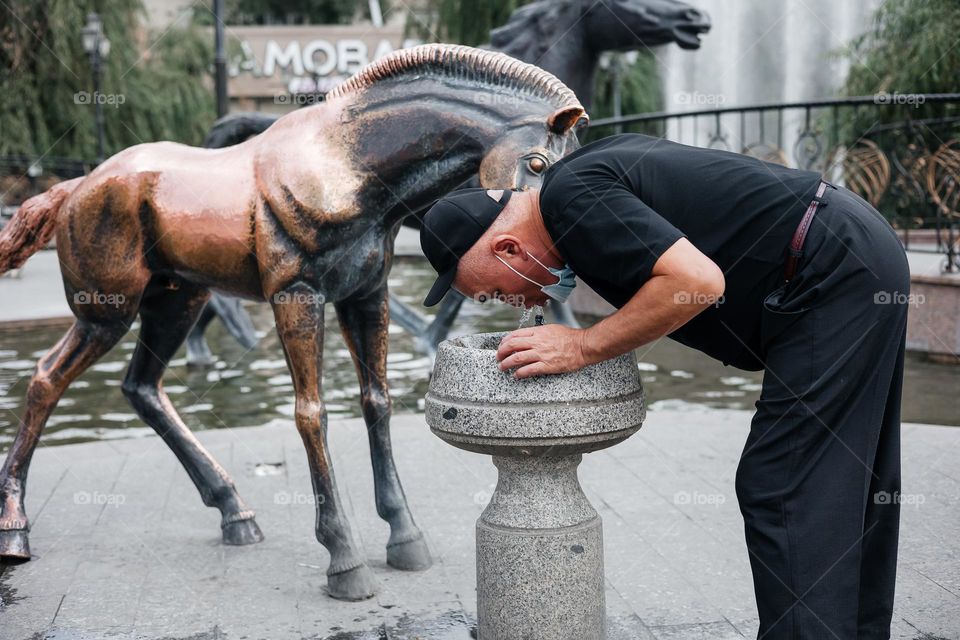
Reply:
x=539, y=540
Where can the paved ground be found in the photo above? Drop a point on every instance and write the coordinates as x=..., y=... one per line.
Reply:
x=125, y=548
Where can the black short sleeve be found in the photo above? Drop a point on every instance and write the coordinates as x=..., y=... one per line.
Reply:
x=608, y=236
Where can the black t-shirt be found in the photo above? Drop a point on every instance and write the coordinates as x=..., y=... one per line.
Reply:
x=615, y=206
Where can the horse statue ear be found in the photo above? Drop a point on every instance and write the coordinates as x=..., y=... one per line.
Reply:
x=562, y=120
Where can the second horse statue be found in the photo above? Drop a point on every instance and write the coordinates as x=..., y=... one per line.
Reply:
x=300, y=216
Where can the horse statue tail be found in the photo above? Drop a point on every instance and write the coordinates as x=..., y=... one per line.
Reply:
x=33, y=225
x=236, y=127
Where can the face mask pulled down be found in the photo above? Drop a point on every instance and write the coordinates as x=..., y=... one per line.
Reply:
x=559, y=290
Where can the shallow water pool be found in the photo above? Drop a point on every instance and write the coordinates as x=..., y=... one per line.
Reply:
x=248, y=388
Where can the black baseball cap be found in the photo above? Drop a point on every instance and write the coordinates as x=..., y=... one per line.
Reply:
x=452, y=226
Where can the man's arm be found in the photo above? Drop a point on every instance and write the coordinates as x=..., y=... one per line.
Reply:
x=683, y=283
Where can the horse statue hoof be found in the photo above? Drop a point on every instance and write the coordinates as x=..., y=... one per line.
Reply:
x=412, y=555
x=14, y=546
x=242, y=532
x=355, y=584
x=201, y=362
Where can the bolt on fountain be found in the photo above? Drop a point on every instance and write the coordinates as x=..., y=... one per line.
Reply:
x=539, y=540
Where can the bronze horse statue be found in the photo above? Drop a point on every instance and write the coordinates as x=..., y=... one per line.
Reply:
x=302, y=215
x=564, y=37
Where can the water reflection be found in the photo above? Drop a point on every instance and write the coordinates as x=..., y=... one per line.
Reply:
x=248, y=388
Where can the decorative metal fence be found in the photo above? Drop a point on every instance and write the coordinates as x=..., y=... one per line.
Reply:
x=908, y=167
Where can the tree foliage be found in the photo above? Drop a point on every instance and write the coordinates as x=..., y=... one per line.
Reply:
x=910, y=48
x=260, y=12
x=641, y=91
x=156, y=85
x=462, y=21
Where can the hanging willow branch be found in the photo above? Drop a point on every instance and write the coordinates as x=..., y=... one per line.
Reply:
x=157, y=86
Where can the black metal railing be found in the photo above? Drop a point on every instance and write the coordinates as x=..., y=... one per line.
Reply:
x=900, y=152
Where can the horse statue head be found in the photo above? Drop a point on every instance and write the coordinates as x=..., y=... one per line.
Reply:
x=425, y=119
x=566, y=37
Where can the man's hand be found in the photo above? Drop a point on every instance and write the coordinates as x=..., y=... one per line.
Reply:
x=536, y=351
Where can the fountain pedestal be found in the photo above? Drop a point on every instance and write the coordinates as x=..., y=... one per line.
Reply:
x=539, y=540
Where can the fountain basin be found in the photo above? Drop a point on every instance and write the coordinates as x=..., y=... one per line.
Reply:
x=473, y=405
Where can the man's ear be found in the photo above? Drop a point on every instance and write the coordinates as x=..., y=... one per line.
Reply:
x=505, y=245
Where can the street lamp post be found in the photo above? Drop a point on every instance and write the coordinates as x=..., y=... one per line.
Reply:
x=220, y=59
x=97, y=47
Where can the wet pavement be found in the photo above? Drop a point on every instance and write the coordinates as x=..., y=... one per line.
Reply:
x=124, y=548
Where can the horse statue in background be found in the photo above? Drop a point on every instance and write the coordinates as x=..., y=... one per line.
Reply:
x=564, y=37
x=568, y=37
x=303, y=215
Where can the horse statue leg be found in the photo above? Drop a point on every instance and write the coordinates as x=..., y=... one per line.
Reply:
x=564, y=314
x=298, y=310
x=440, y=327
x=364, y=324
x=83, y=344
x=166, y=317
x=234, y=317
x=198, y=351
x=427, y=335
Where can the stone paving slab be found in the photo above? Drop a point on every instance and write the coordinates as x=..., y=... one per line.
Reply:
x=125, y=549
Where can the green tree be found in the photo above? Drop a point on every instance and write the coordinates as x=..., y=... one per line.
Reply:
x=258, y=12
x=641, y=91
x=461, y=21
x=157, y=84
x=910, y=48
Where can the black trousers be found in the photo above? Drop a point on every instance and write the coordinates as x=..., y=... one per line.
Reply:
x=819, y=478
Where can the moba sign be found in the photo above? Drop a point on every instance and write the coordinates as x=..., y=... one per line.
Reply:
x=274, y=60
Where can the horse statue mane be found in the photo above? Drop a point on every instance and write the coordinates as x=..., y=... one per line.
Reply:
x=540, y=18
x=443, y=60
